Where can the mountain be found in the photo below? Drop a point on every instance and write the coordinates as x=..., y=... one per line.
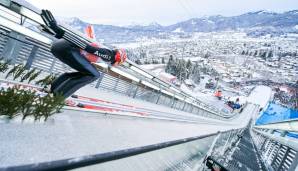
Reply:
x=259, y=19
x=254, y=23
x=114, y=34
x=150, y=27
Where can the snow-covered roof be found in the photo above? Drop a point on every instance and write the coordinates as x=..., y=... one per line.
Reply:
x=164, y=74
x=188, y=82
x=152, y=66
x=166, y=77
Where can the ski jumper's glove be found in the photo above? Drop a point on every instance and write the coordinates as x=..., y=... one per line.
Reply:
x=50, y=21
x=116, y=57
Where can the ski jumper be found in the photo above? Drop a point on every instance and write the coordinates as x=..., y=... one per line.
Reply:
x=79, y=55
x=68, y=83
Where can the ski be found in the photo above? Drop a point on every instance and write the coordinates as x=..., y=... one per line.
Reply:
x=72, y=101
x=99, y=101
x=102, y=109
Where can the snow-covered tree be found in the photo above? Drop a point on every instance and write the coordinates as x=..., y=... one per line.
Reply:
x=189, y=68
x=195, y=74
x=170, y=64
x=163, y=60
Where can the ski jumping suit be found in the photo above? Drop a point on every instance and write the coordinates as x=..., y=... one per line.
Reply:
x=78, y=54
x=68, y=83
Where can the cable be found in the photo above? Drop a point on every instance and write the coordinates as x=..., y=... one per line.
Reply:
x=185, y=8
x=189, y=4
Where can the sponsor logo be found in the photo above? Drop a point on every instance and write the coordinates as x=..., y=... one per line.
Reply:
x=102, y=55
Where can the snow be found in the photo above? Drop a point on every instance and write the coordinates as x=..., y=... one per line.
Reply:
x=152, y=66
x=193, y=22
x=294, y=35
x=296, y=27
x=261, y=95
x=118, y=98
x=284, y=88
x=194, y=59
x=210, y=21
x=76, y=133
x=178, y=30
x=158, y=70
x=73, y=134
x=140, y=24
x=188, y=82
x=256, y=75
x=206, y=98
x=266, y=12
x=166, y=76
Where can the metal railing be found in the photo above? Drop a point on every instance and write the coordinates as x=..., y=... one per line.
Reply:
x=278, y=152
x=236, y=152
x=176, y=153
x=22, y=45
x=181, y=154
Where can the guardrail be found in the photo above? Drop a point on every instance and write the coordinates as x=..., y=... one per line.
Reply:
x=78, y=162
x=21, y=44
x=175, y=154
x=279, y=153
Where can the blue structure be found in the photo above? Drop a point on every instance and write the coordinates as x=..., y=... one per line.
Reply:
x=276, y=113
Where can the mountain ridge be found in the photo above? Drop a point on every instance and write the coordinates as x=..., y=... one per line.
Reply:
x=253, y=23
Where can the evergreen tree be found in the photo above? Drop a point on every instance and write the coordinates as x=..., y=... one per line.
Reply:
x=181, y=70
x=169, y=65
x=147, y=62
x=174, y=69
x=195, y=76
x=189, y=67
x=256, y=53
x=270, y=54
x=263, y=55
x=138, y=61
x=163, y=60
x=4, y=65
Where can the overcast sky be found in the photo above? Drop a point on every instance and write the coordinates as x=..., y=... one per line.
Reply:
x=165, y=12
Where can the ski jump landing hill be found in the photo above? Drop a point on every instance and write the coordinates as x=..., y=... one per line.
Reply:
x=145, y=110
